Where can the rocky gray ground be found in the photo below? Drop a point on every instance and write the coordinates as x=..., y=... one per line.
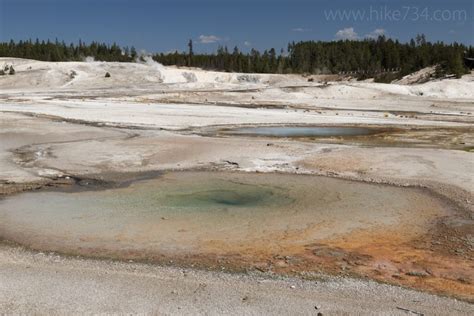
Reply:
x=38, y=283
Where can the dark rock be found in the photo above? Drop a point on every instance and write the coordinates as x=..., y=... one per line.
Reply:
x=417, y=273
x=231, y=162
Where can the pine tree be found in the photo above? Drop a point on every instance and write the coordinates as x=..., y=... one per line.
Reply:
x=456, y=65
x=133, y=52
x=190, y=53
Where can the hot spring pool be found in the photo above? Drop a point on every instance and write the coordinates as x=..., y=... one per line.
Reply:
x=209, y=212
x=299, y=131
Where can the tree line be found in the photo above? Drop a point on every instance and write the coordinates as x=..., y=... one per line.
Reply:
x=60, y=51
x=382, y=58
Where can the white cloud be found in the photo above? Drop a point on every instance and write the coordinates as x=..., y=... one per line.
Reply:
x=247, y=43
x=300, y=29
x=208, y=39
x=376, y=33
x=347, y=33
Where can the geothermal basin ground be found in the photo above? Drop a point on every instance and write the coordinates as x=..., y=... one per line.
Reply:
x=282, y=193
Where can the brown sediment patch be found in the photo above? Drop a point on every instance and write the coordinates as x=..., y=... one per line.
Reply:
x=389, y=256
x=285, y=224
x=458, y=138
x=9, y=188
x=439, y=261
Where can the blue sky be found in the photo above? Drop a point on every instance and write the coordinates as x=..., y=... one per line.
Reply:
x=165, y=25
